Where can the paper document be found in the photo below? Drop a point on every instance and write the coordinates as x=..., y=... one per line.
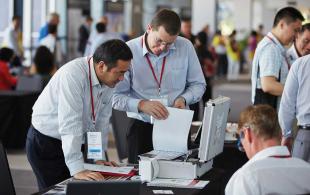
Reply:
x=108, y=169
x=171, y=134
x=178, y=183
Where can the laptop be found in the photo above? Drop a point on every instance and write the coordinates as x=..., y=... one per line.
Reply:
x=6, y=181
x=103, y=187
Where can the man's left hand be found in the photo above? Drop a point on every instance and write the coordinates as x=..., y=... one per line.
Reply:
x=179, y=103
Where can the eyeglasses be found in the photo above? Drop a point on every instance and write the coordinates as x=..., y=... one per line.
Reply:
x=241, y=131
x=158, y=41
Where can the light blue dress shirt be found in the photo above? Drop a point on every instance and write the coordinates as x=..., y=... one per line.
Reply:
x=182, y=77
x=271, y=58
x=63, y=110
x=295, y=98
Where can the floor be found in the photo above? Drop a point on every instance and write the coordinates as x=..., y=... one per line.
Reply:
x=24, y=179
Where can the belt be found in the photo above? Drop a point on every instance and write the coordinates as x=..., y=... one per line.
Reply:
x=304, y=127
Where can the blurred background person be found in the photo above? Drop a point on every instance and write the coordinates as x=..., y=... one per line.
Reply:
x=207, y=61
x=13, y=39
x=218, y=43
x=51, y=42
x=7, y=81
x=186, y=29
x=233, y=54
x=53, y=19
x=44, y=65
x=84, y=32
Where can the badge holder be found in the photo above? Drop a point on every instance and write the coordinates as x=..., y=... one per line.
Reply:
x=94, y=144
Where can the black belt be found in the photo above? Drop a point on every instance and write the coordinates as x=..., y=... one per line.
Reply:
x=304, y=127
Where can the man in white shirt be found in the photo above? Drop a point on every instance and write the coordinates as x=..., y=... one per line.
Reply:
x=271, y=169
x=301, y=45
x=75, y=103
x=12, y=36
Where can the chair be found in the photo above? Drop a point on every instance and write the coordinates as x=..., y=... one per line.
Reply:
x=120, y=123
x=32, y=83
x=6, y=181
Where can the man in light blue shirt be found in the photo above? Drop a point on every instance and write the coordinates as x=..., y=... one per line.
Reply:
x=75, y=102
x=295, y=104
x=165, y=69
x=270, y=65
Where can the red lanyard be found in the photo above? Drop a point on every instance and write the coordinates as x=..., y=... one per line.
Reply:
x=153, y=72
x=152, y=69
x=91, y=93
x=281, y=156
x=288, y=64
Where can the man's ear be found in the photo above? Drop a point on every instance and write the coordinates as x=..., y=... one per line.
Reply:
x=248, y=135
x=148, y=28
x=102, y=66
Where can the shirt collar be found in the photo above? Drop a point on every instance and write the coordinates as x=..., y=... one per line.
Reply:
x=94, y=77
x=270, y=151
x=146, y=51
x=277, y=42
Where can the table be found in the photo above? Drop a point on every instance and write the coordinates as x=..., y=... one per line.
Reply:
x=215, y=186
x=15, y=117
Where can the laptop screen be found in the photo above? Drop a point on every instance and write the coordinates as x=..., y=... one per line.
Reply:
x=103, y=187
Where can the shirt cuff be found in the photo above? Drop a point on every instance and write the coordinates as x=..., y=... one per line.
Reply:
x=188, y=98
x=133, y=105
x=76, y=167
x=286, y=134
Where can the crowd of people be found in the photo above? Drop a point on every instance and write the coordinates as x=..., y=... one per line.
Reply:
x=167, y=66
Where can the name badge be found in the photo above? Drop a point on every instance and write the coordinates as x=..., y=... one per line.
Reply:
x=94, y=145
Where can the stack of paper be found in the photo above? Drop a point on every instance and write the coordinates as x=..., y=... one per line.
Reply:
x=170, y=135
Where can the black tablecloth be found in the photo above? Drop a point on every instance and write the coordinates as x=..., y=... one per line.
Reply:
x=15, y=117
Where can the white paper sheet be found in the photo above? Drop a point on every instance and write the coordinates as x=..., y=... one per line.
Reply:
x=108, y=169
x=171, y=134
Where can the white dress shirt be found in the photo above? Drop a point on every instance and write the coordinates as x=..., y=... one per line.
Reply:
x=63, y=110
x=295, y=97
x=266, y=174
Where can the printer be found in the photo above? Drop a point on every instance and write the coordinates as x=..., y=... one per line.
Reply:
x=199, y=160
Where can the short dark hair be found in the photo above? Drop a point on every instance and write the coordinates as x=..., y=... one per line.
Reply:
x=263, y=121
x=15, y=18
x=43, y=60
x=100, y=27
x=51, y=28
x=289, y=14
x=305, y=27
x=111, y=51
x=6, y=54
x=169, y=20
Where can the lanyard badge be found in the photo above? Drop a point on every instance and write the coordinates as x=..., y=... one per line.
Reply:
x=94, y=138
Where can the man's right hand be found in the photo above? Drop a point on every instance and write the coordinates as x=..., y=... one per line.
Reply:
x=153, y=108
x=287, y=142
x=88, y=175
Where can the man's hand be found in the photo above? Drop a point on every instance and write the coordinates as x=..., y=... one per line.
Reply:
x=88, y=175
x=111, y=163
x=287, y=142
x=179, y=103
x=153, y=108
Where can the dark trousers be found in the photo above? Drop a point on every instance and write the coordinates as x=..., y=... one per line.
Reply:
x=46, y=158
x=139, y=138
